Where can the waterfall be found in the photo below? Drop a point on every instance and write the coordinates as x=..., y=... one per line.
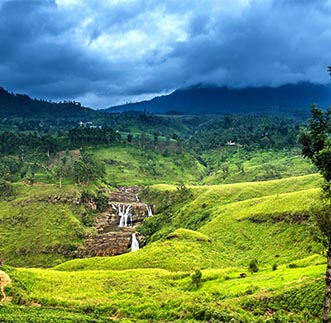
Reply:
x=149, y=210
x=124, y=214
x=134, y=243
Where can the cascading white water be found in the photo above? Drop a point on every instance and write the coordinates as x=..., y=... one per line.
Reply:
x=134, y=243
x=124, y=214
x=149, y=210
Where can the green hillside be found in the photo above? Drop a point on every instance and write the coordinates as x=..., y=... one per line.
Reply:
x=263, y=221
x=246, y=221
x=131, y=165
x=231, y=239
x=42, y=226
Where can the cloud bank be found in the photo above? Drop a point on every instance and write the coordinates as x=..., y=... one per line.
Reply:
x=107, y=52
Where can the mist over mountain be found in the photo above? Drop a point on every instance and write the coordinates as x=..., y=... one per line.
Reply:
x=203, y=99
x=291, y=99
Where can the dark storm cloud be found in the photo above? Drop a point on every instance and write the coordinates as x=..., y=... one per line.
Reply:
x=267, y=44
x=110, y=51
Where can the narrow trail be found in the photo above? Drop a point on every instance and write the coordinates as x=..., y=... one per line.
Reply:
x=4, y=281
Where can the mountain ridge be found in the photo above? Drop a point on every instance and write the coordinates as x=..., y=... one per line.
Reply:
x=22, y=106
x=200, y=99
x=211, y=99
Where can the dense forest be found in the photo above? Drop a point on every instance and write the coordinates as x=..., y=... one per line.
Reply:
x=37, y=148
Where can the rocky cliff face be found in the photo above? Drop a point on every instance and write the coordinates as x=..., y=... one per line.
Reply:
x=112, y=237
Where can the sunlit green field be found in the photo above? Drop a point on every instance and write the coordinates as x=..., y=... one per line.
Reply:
x=158, y=295
x=129, y=165
x=263, y=221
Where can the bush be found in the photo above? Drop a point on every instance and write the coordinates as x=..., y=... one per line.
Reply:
x=253, y=266
x=6, y=189
x=292, y=266
x=274, y=267
x=102, y=201
x=196, y=277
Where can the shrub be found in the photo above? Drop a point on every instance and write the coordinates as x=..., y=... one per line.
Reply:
x=6, y=189
x=196, y=277
x=101, y=200
x=292, y=266
x=253, y=266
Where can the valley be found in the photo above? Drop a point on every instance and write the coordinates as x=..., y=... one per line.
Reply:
x=266, y=221
x=165, y=161
x=219, y=207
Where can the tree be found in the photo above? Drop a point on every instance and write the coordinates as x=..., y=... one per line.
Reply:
x=29, y=176
x=196, y=277
x=316, y=146
x=4, y=172
x=253, y=266
x=88, y=169
x=155, y=140
x=60, y=171
x=6, y=189
x=129, y=137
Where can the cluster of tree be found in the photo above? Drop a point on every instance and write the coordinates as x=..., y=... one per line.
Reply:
x=165, y=125
x=49, y=126
x=86, y=169
x=20, y=143
x=10, y=169
x=250, y=131
x=84, y=136
x=316, y=146
x=6, y=189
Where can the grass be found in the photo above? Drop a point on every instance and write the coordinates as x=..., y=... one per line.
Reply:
x=234, y=234
x=233, y=224
x=227, y=165
x=174, y=254
x=205, y=202
x=144, y=295
x=42, y=226
x=31, y=314
x=129, y=165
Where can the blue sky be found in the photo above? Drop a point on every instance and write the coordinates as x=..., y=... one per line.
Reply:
x=108, y=52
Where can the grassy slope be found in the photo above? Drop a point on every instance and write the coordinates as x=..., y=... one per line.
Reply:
x=154, y=283
x=228, y=232
x=207, y=199
x=247, y=166
x=129, y=165
x=157, y=295
x=40, y=226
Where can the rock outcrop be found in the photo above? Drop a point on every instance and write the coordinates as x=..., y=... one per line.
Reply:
x=112, y=238
x=111, y=243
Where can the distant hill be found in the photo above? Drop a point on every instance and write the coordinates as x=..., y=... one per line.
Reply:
x=22, y=106
x=202, y=99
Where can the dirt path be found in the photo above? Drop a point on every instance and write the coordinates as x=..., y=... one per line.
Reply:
x=4, y=280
